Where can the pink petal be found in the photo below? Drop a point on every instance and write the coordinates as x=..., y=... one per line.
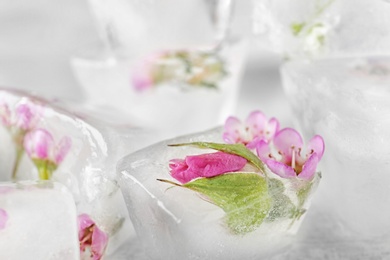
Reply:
x=5, y=114
x=317, y=145
x=26, y=115
x=99, y=243
x=141, y=80
x=280, y=169
x=3, y=218
x=272, y=127
x=263, y=150
x=287, y=139
x=207, y=165
x=84, y=222
x=309, y=168
x=62, y=150
x=38, y=144
x=231, y=130
x=256, y=122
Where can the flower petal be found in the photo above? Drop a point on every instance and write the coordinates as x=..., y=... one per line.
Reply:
x=309, y=168
x=84, y=222
x=317, y=145
x=99, y=243
x=62, y=149
x=286, y=140
x=206, y=165
x=280, y=169
x=231, y=130
x=39, y=144
x=256, y=122
x=5, y=114
x=263, y=150
x=272, y=128
x=3, y=218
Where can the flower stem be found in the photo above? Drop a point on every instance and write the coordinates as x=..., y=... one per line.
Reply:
x=44, y=173
x=18, y=158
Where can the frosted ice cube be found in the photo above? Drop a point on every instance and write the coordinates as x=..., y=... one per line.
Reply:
x=108, y=84
x=176, y=223
x=306, y=28
x=41, y=224
x=88, y=169
x=347, y=102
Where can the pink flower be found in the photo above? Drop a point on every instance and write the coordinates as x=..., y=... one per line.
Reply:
x=23, y=118
x=256, y=128
x=286, y=156
x=41, y=148
x=143, y=73
x=39, y=144
x=205, y=165
x=5, y=114
x=3, y=218
x=91, y=237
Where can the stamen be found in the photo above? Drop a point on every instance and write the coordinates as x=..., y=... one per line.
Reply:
x=293, y=159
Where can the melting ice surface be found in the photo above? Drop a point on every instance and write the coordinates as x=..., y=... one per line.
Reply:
x=41, y=222
x=347, y=102
x=177, y=223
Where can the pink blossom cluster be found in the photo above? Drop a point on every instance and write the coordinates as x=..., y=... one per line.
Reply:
x=38, y=143
x=282, y=150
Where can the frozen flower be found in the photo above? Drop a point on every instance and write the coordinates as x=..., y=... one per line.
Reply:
x=92, y=239
x=45, y=153
x=205, y=165
x=19, y=121
x=185, y=67
x=24, y=117
x=3, y=218
x=287, y=157
x=256, y=128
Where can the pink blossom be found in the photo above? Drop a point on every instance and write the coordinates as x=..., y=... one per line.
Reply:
x=39, y=144
x=286, y=156
x=91, y=237
x=3, y=218
x=23, y=118
x=5, y=114
x=143, y=72
x=44, y=152
x=256, y=128
x=205, y=165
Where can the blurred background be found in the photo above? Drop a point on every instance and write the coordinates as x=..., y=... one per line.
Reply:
x=39, y=38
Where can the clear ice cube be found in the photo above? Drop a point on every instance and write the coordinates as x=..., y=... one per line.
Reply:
x=87, y=170
x=41, y=222
x=177, y=223
x=322, y=28
x=346, y=101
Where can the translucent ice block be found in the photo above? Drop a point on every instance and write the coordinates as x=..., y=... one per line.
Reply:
x=41, y=222
x=80, y=152
x=178, y=223
x=175, y=101
x=322, y=28
x=347, y=102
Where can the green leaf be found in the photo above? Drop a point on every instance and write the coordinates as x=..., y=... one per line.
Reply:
x=237, y=149
x=282, y=206
x=243, y=196
x=296, y=28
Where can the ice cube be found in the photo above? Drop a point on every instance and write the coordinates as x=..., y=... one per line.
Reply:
x=312, y=29
x=87, y=169
x=346, y=101
x=41, y=222
x=177, y=223
x=197, y=107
